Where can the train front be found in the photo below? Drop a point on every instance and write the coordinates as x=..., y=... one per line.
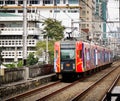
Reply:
x=65, y=58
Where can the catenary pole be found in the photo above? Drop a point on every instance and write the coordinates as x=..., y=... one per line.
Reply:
x=24, y=32
x=119, y=13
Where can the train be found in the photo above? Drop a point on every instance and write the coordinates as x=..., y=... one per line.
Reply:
x=73, y=57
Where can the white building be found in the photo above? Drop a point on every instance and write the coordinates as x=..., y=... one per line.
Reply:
x=11, y=33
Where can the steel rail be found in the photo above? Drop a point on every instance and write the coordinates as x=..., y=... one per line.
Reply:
x=78, y=96
x=111, y=87
x=58, y=91
x=64, y=88
x=14, y=98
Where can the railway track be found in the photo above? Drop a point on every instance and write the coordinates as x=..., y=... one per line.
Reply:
x=86, y=95
x=107, y=97
x=28, y=93
x=60, y=91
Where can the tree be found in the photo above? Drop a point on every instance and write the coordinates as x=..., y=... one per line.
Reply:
x=31, y=60
x=41, y=46
x=20, y=63
x=53, y=29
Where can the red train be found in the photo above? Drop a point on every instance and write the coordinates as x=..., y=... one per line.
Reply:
x=73, y=57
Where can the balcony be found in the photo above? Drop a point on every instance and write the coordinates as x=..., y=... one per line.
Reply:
x=19, y=31
x=17, y=42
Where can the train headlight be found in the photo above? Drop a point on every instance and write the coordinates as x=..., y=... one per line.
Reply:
x=61, y=66
x=73, y=66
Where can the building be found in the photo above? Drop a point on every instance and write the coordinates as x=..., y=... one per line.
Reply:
x=11, y=33
x=114, y=41
x=76, y=15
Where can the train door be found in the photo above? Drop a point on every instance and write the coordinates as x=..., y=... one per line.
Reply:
x=87, y=56
x=95, y=57
x=96, y=53
x=79, y=59
x=57, y=57
x=85, y=51
x=92, y=57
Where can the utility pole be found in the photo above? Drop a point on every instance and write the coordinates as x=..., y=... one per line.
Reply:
x=24, y=32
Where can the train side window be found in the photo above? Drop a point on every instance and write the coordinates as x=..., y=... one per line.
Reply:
x=88, y=54
x=56, y=54
x=80, y=53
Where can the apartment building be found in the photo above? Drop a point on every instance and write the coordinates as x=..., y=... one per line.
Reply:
x=94, y=17
x=11, y=36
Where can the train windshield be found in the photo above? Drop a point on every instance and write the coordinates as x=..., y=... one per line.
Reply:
x=68, y=54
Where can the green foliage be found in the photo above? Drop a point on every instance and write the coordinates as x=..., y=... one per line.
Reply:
x=20, y=63
x=54, y=29
x=41, y=46
x=10, y=65
x=31, y=60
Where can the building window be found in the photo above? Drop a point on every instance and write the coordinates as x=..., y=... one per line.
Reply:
x=20, y=2
x=33, y=1
x=73, y=11
x=47, y=1
x=83, y=13
x=64, y=11
x=83, y=26
x=73, y=1
x=64, y=1
x=1, y=2
x=56, y=11
x=58, y=1
x=9, y=2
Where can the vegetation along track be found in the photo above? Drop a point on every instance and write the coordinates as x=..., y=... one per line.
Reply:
x=61, y=90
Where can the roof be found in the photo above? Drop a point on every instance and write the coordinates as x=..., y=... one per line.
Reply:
x=86, y=30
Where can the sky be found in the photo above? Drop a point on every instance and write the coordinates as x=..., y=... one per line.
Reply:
x=113, y=14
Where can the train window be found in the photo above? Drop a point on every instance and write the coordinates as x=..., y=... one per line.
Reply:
x=94, y=57
x=67, y=54
x=88, y=54
x=80, y=53
x=56, y=54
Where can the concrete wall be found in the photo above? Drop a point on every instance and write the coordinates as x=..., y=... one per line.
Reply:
x=17, y=74
x=12, y=75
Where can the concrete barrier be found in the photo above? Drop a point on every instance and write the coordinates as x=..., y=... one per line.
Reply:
x=24, y=73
